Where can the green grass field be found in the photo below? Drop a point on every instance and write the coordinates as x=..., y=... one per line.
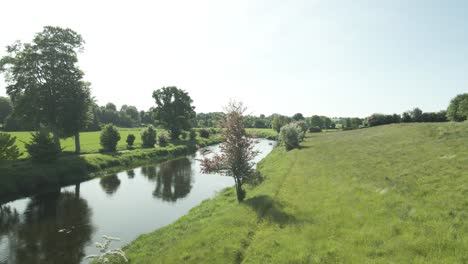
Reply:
x=90, y=140
x=389, y=194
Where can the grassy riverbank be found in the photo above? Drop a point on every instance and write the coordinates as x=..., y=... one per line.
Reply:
x=24, y=176
x=389, y=194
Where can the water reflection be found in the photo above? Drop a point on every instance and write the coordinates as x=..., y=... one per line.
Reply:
x=173, y=179
x=110, y=184
x=131, y=174
x=54, y=228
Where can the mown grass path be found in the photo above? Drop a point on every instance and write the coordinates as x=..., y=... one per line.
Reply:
x=390, y=194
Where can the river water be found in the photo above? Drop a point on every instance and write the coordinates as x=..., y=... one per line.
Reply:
x=61, y=226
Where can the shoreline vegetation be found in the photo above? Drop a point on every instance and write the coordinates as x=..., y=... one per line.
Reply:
x=389, y=193
x=24, y=177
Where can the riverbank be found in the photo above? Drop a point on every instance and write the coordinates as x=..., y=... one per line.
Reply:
x=394, y=193
x=23, y=177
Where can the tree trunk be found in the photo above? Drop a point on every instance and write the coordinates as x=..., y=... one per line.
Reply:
x=77, y=143
x=240, y=193
x=56, y=138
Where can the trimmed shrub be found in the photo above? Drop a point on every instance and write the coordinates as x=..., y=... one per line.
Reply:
x=42, y=148
x=109, y=138
x=204, y=133
x=8, y=149
x=130, y=140
x=291, y=135
x=315, y=130
x=148, y=137
x=192, y=134
x=163, y=140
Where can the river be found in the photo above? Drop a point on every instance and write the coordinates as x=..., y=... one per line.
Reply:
x=61, y=226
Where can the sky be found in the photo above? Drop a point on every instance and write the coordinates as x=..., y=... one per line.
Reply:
x=325, y=57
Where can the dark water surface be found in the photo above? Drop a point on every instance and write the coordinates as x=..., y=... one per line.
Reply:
x=62, y=226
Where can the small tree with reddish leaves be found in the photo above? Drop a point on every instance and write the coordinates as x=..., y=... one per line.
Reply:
x=237, y=151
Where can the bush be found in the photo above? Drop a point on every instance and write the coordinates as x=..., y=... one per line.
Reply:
x=315, y=130
x=192, y=134
x=204, y=133
x=109, y=138
x=162, y=140
x=148, y=137
x=458, y=108
x=213, y=131
x=9, y=151
x=130, y=140
x=302, y=126
x=183, y=135
x=290, y=136
x=42, y=148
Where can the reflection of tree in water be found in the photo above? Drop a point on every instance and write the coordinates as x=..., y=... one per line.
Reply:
x=8, y=219
x=56, y=228
x=149, y=172
x=131, y=174
x=110, y=184
x=173, y=179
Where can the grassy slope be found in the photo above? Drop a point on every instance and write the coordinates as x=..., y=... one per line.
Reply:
x=390, y=194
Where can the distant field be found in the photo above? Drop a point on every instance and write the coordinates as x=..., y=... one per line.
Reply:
x=90, y=140
x=389, y=194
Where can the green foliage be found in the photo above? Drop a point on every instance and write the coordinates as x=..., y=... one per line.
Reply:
x=5, y=108
x=148, y=137
x=42, y=148
x=192, y=134
x=162, y=140
x=390, y=194
x=8, y=149
x=278, y=121
x=291, y=135
x=458, y=108
x=110, y=136
x=174, y=110
x=298, y=117
x=183, y=135
x=44, y=82
x=315, y=130
x=204, y=133
x=130, y=140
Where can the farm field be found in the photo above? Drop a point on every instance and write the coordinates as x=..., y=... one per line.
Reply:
x=389, y=194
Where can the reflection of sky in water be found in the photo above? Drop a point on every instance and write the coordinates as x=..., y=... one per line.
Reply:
x=124, y=205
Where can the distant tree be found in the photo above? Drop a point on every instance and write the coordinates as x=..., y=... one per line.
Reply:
x=298, y=117
x=5, y=108
x=326, y=122
x=204, y=133
x=237, y=150
x=111, y=106
x=416, y=115
x=192, y=134
x=290, y=136
x=406, y=117
x=42, y=76
x=110, y=136
x=148, y=137
x=458, y=108
x=174, y=110
x=162, y=140
x=278, y=121
x=8, y=148
x=316, y=121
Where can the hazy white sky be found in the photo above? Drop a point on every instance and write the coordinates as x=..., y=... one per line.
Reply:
x=336, y=58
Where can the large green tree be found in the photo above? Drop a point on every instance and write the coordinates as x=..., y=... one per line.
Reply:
x=458, y=108
x=44, y=82
x=174, y=109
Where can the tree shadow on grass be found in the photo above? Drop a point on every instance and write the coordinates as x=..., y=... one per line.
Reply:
x=269, y=209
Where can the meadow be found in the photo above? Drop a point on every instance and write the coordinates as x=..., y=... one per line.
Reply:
x=388, y=194
x=90, y=140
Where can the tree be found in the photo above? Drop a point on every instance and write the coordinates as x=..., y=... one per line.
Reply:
x=298, y=117
x=42, y=77
x=237, y=153
x=278, y=121
x=316, y=121
x=8, y=149
x=148, y=137
x=5, y=108
x=41, y=147
x=406, y=117
x=109, y=138
x=130, y=140
x=174, y=109
x=458, y=108
x=291, y=135
x=416, y=115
